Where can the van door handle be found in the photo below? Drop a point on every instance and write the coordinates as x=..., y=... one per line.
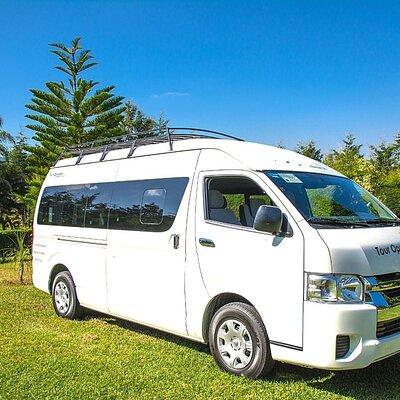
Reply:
x=176, y=241
x=206, y=242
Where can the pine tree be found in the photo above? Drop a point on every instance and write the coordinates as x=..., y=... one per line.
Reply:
x=134, y=121
x=386, y=181
x=13, y=185
x=5, y=186
x=351, y=162
x=385, y=156
x=69, y=112
x=310, y=149
x=161, y=124
x=5, y=138
x=345, y=158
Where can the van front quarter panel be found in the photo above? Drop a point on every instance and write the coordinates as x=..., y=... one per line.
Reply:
x=265, y=269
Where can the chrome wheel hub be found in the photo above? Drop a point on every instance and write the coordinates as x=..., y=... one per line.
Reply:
x=61, y=297
x=234, y=344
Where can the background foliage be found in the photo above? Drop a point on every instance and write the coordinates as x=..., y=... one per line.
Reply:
x=8, y=241
x=76, y=110
x=71, y=111
x=379, y=173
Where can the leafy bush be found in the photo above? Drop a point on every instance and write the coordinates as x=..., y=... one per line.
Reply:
x=19, y=254
x=390, y=195
x=9, y=241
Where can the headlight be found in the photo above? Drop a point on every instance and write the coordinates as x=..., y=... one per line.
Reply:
x=335, y=288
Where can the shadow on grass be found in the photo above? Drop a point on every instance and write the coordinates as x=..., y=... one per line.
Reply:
x=155, y=333
x=378, y=381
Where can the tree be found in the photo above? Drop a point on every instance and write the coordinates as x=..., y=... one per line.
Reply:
x=5, y=138
x=386, y=156
x=309, y=149
x=161, y=124
x=5, y=186
x=69, y=112
x=14, y=186
x=386, y=181
x=350, y=162
x=346, y=158
x=134, y=121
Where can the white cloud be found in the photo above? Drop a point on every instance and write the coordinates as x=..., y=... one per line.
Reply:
x=169, y=94
x=155, y=192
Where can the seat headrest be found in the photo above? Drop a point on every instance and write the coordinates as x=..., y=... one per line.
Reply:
x=215, y=199
x=254, y=205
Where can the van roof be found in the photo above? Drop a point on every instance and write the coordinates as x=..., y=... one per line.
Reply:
x=254, y=156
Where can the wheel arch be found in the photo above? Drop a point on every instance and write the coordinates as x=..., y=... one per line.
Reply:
x=54, y=271
x=215, y=304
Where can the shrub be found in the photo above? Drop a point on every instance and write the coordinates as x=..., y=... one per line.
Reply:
x=20, y=253
x=9, y=241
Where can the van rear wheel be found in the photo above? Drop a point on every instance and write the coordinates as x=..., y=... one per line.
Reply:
x=239, y=342
x=65, y=300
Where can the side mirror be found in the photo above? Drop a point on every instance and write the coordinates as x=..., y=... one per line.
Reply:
x=268, y=219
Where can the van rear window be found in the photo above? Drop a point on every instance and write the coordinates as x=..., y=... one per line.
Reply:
x=146, y=205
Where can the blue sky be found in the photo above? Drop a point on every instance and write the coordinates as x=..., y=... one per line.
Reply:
x=267, y=71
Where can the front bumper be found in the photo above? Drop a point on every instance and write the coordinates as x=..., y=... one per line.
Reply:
x=324, y=322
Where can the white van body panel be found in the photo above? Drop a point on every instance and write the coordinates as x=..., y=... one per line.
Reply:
x=253, y=156
x=145, y=274
x=141, y=277
x=265, y=260
x=83, y=250
x=365, y=252
x=317, y=257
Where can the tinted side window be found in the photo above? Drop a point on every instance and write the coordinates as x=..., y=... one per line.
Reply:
x=49, y=210
x=75, y=205
x=62, y=205
x=98, y=196
x=148, y=205
x=125, y=205
x=152, y=208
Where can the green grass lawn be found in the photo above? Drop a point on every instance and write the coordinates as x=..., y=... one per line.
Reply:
x=45, y=357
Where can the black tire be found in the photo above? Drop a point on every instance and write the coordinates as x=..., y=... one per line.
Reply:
x=260, y=362
x=74, y=309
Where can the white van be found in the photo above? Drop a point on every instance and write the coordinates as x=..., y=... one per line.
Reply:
x=260, y=252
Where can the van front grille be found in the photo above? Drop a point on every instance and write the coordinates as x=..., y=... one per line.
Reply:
x=386, y=328
x=392, y=293
x=383, y=291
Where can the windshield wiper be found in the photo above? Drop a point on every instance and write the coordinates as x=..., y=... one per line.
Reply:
x=336, y=222
x=379, y=221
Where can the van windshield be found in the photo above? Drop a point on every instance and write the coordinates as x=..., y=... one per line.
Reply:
x=331, y=200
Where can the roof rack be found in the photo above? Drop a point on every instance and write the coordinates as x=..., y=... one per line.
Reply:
x=138, y=139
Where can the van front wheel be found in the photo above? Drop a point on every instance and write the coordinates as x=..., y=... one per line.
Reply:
x=65, y=300
x=239, y=342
